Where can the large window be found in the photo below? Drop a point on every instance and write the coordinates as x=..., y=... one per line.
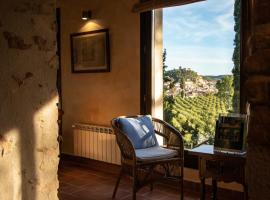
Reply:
x=201, y=66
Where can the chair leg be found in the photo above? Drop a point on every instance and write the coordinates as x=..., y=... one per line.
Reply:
x=151, y=186
x=117, y=182
x=134, y=183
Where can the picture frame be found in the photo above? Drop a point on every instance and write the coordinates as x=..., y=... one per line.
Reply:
x=90, y=52
x=231, y=133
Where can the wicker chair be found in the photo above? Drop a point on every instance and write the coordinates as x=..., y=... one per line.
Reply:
x=141, y=170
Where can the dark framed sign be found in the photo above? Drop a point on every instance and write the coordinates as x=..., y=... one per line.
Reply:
x=90, y=51
x=231, y=132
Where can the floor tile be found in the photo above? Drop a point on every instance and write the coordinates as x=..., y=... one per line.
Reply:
x=78, y=183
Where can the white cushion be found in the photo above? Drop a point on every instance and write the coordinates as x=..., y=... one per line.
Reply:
x=154, y=153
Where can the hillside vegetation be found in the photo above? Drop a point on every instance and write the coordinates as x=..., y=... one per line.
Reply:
x=195, y=116
x=192, y=103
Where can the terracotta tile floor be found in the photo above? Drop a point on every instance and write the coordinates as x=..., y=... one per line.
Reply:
x=77, y=183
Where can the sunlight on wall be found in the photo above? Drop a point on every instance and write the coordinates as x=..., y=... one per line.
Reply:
x=10, y=147
x=16, y=163
x=91, y=25
x=46, y=153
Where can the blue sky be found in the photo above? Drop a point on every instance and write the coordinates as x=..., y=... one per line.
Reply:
x=200, y=36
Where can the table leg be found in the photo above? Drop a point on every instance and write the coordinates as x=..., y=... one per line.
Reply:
x=214, y=189
x=202, y=188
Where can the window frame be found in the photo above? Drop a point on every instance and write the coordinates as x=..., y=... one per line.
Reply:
x=146, y=34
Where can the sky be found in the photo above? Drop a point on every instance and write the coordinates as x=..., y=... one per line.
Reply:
x=200, y=36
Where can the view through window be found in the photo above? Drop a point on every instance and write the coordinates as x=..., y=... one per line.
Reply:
x=201, y=66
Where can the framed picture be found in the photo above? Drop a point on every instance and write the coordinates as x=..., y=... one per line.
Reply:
x=230, y=133
x=90, y=51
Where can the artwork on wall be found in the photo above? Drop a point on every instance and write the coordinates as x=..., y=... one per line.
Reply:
x=90, y=51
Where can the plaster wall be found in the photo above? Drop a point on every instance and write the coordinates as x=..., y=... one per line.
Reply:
x=28, y=112
x=98, y=97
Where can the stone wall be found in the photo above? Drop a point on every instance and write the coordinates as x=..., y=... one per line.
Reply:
x=257, y=91
x=28, y=112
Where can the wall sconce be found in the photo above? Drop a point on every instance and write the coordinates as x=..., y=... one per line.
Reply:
x=86, y=14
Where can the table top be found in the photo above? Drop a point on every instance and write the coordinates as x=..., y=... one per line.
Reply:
x=208, y=150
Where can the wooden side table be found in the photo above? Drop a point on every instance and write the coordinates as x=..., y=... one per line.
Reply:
x=227, y=167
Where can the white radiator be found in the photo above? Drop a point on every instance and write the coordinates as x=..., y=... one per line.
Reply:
x=96, y=142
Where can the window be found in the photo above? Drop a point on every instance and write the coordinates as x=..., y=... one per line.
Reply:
x=201, y=66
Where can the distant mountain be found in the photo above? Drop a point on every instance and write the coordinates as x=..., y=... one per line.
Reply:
x=214, y=78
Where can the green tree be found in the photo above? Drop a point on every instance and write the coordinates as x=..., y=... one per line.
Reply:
x=167, y=81
x=168, y=102
x=164, y=57
x=168, y=84
x=236, y=57
x=225, y=90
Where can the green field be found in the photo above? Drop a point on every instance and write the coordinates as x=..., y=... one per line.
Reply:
x=195, y=117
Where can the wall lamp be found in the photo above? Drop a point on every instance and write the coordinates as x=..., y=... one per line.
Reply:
x=86, y=14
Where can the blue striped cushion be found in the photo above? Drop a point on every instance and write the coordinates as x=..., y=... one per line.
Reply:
x=139, y=130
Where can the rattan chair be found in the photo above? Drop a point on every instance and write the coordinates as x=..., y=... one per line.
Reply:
x=141, y=170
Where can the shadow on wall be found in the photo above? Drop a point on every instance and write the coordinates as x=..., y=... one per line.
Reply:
x=28, y=125
x=24, y=161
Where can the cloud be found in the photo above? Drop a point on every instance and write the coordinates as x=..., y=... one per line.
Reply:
x=199, y=21
x=226, y=20
x=200, y=36
x=204, y=60
x=219, y=7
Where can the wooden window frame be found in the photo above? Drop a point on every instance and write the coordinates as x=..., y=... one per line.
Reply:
x=146, y=65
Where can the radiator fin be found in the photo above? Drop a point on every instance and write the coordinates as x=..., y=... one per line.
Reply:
x=96, y=142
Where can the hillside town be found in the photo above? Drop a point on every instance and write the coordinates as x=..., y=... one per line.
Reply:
x=191, y=88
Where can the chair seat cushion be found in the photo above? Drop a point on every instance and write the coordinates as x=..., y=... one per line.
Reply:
x=154, y=153
x=140, y=131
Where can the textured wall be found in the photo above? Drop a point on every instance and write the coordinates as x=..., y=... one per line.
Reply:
x=257, y=91
x=28, y=112
x=98, y=97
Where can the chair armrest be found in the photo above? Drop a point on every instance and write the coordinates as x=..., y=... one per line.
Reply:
x=172, y=136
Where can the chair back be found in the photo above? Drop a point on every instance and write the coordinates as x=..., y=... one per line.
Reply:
x=124, y=143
